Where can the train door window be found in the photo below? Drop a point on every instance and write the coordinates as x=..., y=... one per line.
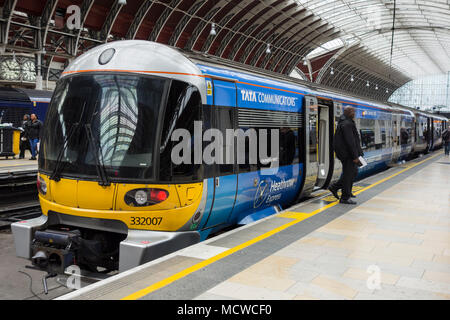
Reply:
x=403, y=132
x=182, y=109
x=312, y=137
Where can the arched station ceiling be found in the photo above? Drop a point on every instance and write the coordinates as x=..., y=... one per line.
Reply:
x=293, y=28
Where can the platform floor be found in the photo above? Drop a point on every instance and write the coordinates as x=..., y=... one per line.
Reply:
x=395, y=244
x=10, y=166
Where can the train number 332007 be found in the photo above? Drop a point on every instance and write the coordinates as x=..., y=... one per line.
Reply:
x=146, y=221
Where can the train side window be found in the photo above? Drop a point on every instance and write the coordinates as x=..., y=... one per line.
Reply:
x=225, y=120
x=367, y=132
x=247, y=166
x=182, y=109
x=367, y=139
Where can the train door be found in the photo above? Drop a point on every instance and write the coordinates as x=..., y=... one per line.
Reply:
x=310, y=154
x=335, y=163
x=222, y=116
x=324, y=148
x=396, y=146
x=430, y=134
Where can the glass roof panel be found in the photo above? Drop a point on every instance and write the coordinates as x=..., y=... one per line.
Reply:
x=421, y=37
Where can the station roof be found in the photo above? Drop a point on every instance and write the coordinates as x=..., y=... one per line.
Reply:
x=313, y=37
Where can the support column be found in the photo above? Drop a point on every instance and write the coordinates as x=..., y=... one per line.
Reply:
x=39, y=70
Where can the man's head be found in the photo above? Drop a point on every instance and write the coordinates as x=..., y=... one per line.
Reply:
x=33, y=117
x=349, y=112
x=26, y=117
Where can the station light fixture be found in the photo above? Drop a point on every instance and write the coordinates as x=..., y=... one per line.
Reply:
x=332, y=71
x=387, y=91
x=213, y=30
x=123, y=2
x=352, y=79
x=268, y=51
x=376, y=87
x=367, y=84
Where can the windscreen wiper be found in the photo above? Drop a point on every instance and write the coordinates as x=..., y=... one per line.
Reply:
x=56, y=171
x=99, y=165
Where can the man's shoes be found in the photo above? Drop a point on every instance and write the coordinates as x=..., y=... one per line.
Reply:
x=348, y=201
x=352, y=195
x=334, y=192
x=32, y=158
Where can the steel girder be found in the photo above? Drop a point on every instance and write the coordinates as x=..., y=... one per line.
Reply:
x=163, y=19
x=181, y=26
x=209, y=16
x=109, y=21
x=8, y=8
x=139, y=18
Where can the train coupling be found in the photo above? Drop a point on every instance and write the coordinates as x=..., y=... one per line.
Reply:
x=55, y=250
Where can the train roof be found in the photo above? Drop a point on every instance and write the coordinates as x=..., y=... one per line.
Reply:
x=13, y=95
x=138, y=56
x=38, y=95
x=26, y=96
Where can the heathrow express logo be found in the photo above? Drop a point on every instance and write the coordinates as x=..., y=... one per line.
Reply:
x=237, y=146
x=266, y=193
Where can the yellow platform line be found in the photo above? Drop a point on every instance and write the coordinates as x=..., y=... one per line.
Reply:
x=297, y=216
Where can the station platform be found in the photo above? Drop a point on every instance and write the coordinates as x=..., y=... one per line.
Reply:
x=394, y=244
x=15, y=166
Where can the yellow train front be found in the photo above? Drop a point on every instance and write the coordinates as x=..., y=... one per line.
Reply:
x=105, y=172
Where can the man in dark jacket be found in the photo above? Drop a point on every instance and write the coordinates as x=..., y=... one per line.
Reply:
x=34, y=134
x=347, y=147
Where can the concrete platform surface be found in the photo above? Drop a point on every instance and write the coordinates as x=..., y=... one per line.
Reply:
x=395, y=244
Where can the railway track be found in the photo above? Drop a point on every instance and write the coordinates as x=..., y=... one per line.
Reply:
x=13, y=213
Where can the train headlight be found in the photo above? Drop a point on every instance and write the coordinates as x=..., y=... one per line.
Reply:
x=106, y=56
x=145, y=197
x=140, y=197
x=41, y=185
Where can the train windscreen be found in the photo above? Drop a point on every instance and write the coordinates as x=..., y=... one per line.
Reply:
x=102, y=122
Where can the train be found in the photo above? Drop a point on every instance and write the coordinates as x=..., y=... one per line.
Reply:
x=148, y=149
x=16, y=102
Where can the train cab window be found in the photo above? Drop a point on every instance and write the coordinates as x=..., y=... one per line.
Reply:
x=103, y=122
x=183, y=107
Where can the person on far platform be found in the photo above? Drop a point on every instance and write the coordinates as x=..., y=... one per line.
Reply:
x=34, y=133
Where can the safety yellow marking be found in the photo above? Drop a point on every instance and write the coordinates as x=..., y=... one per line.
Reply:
x=295, y=215
x=301, y=216
x=206, y=262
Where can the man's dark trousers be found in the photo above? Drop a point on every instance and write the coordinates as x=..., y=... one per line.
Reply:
x=345, y=182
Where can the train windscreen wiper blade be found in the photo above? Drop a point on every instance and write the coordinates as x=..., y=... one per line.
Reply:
x=56, y=171
x=99, y=165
